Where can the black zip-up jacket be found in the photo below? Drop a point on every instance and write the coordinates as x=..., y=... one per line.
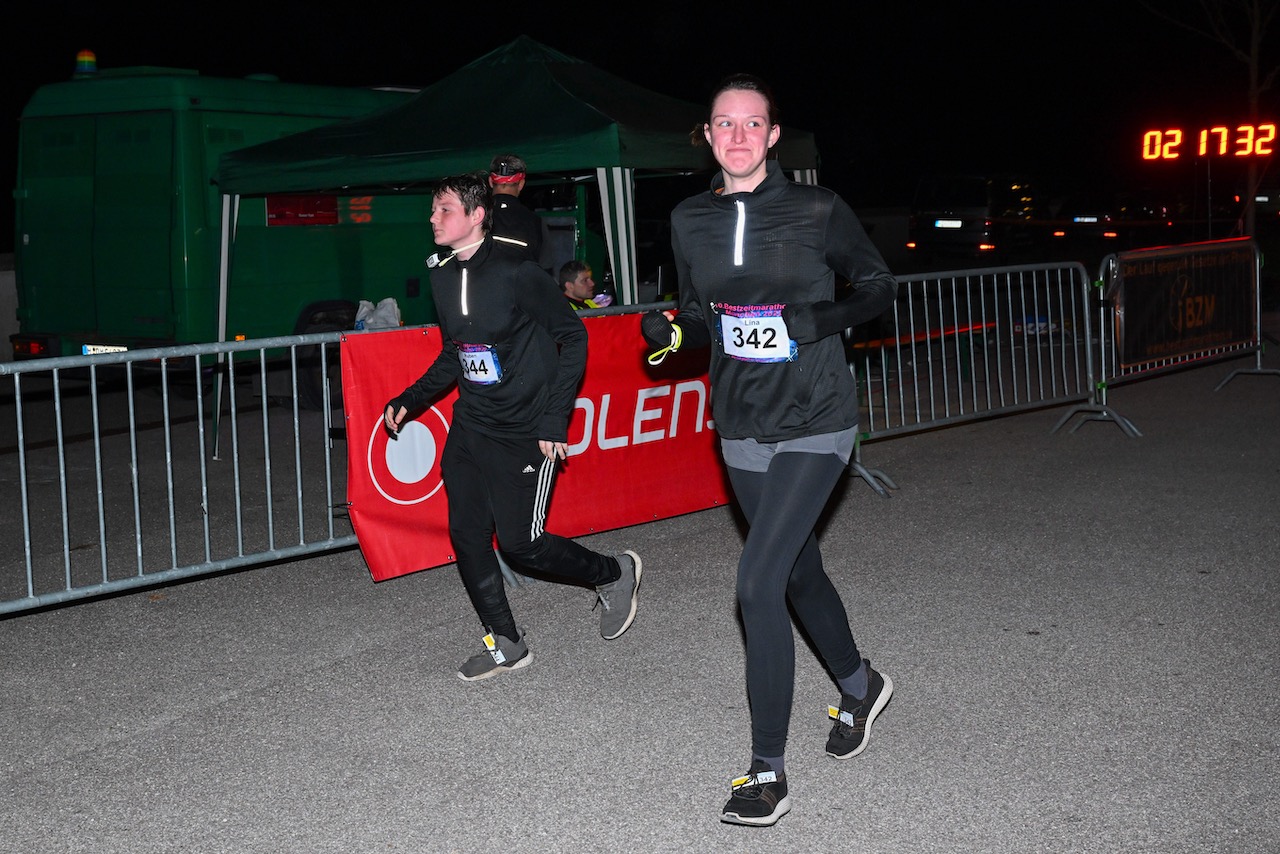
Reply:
x=497, y=300
x=768, y=254
x=511, y=219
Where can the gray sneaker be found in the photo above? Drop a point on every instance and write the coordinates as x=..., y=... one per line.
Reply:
x=500, y=655
x=618, y=598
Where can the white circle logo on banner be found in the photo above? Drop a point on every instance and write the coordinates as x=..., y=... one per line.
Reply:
x=407, y=470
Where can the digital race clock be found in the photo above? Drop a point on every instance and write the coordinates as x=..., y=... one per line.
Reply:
x=1254, y=140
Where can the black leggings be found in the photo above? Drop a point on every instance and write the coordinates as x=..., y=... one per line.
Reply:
x=780, y=562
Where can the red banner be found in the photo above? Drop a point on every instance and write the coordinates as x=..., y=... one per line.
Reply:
x=642, y=444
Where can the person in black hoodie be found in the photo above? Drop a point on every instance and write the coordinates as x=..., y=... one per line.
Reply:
x=756, y=260
x=517, y=352
x=511, y=220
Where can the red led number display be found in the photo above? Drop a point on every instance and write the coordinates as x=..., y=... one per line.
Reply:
x=1240, y=141
x=360, y=208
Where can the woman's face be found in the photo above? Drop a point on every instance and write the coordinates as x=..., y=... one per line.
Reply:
x=740, y=137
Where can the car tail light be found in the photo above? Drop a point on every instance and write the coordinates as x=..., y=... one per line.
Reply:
x=29, y=347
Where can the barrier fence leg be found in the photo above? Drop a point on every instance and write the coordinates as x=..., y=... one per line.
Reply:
x=1101, y=412
x=874, y=477
x=513, y=578
x=1257, y=369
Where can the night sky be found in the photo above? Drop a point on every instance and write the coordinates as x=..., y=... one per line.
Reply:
x=890, y=90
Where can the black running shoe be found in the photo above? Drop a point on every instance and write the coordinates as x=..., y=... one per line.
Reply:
x=852, y=728
x=759, y=798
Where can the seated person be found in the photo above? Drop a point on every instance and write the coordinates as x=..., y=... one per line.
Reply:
x=579, y=288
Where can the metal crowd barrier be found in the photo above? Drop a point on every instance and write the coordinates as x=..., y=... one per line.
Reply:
x=967, y=345
x=113, y=474
x=103, y=450
x=1169, y=308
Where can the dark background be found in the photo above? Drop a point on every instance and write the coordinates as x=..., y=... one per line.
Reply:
x=890, y=90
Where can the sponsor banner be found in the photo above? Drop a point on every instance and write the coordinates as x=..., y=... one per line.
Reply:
x=1181, y=301
x=394, y=489
x=641, y=444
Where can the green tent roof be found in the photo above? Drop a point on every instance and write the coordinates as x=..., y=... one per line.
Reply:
x=562, y=115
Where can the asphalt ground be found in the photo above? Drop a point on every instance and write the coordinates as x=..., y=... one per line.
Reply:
x=1081, y=627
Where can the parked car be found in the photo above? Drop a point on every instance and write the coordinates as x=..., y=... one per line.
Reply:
x=988, y=219
x=1088, y=226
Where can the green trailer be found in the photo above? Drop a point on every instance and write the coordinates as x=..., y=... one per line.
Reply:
x=118, y=221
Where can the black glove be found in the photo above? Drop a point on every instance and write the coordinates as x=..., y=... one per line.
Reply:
x=395, y=406
x=661, y=334
x=656, y=328
x=802, y=320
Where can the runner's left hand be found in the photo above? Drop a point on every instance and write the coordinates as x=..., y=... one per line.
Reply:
x=553, y=450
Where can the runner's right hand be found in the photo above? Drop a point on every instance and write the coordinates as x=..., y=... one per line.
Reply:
x=391, y=418
x=661, y=334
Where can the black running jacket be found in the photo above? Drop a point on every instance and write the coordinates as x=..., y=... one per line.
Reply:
x=757, y=275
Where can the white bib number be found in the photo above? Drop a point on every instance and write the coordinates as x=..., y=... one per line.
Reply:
x=480, y=363
x=755, y=335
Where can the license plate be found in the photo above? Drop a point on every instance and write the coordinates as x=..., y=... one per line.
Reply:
x=946, y=223
x=95, y=349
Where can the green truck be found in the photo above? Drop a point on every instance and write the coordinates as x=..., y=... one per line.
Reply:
x=118, y=237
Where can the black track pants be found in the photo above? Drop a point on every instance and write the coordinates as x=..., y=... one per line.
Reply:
x=780, y=562
x=504, y=486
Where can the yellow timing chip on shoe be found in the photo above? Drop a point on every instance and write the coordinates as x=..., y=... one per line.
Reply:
x=492, y=645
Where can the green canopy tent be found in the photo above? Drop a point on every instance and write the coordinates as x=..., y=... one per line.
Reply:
x=562, y=115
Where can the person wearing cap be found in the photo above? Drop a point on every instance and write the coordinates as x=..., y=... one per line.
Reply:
x=512, y=221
